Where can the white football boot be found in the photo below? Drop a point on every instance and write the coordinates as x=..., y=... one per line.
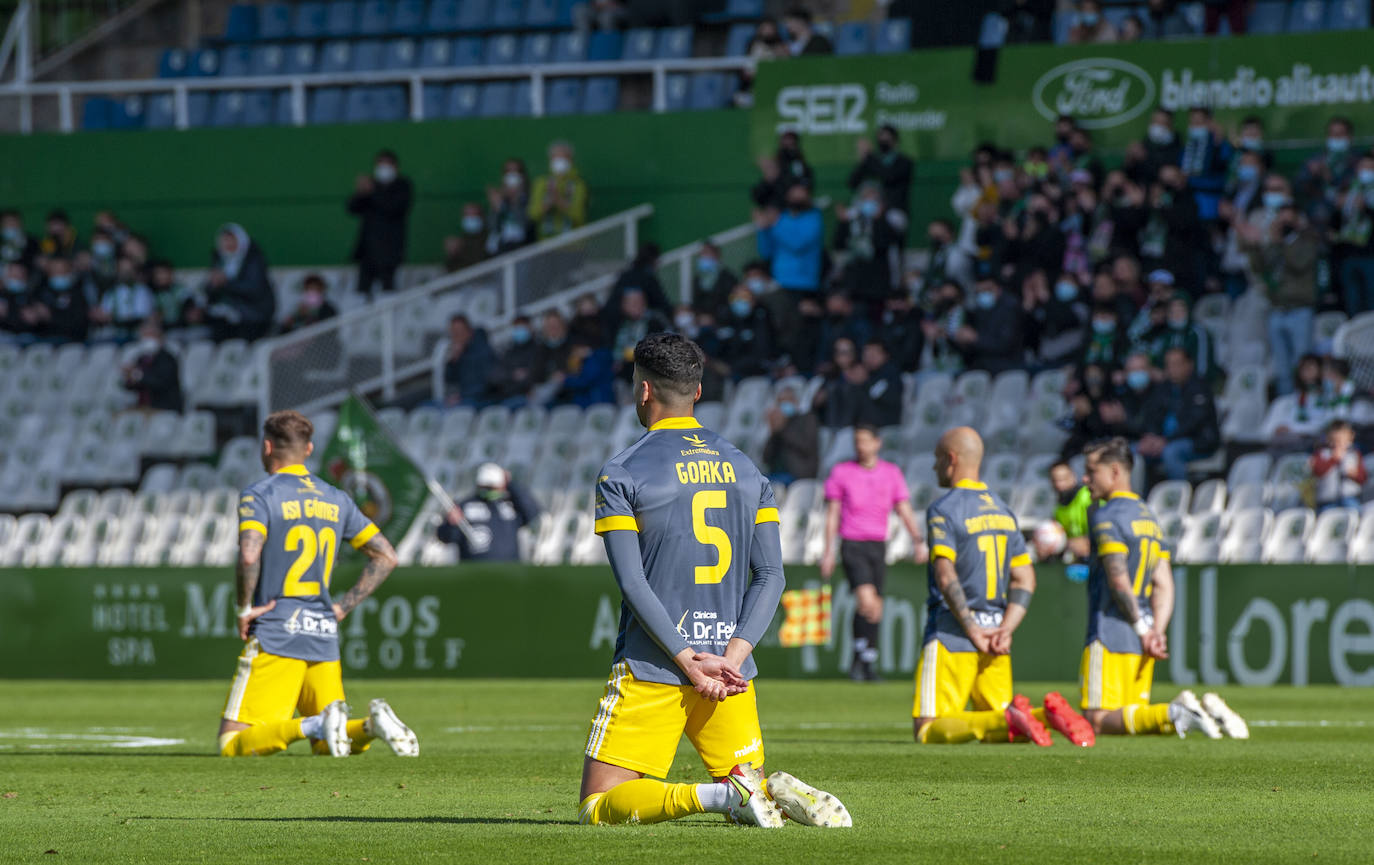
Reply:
x=1231, y=723
x=335, y=723
x=389, y=728
x=805, y=804
x=754, y=807
x=1187, y=714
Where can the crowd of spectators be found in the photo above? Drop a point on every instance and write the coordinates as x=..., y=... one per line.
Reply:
x=1032, y=21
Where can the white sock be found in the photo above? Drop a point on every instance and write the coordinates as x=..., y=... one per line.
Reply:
x=313, y=727
x=717, y=798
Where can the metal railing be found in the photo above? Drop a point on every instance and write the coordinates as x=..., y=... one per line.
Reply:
x=392, y=339
x=298, y=85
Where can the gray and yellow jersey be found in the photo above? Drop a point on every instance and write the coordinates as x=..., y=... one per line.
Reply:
x=1124, y=525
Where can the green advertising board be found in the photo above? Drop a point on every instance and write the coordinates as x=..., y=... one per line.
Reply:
x=1248, y=625
x=1295, y=82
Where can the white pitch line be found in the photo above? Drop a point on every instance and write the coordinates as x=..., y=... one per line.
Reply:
x=825, y=725
x=112, y=741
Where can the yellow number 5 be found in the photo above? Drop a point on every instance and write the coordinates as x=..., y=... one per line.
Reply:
x=710, y=536
x=311, y=545
x=994, y=550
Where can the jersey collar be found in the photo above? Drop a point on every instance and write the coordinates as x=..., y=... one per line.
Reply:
x=296, y=469
x=1123, y=494
x=676, y=423
x=967, y=484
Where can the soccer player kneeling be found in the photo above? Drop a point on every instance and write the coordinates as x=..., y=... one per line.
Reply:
x=687, y=519
x=981, y=582
x=1130, y=601
x=290, y=525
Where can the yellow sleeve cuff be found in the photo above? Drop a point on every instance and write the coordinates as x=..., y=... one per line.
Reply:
x=942, y=551
x=252, y=526
x=1112, y=548
x=766, y=515
x=364, y=536
x=616, y=524
x=1021, y=561
x=1164, y=555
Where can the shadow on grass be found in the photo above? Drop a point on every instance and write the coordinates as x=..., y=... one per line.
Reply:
x=490, y=821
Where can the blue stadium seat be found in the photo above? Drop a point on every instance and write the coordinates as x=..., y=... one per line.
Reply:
x=400, y=54
x=707, y=91
x=738, y=10
x=675, y=89
x=309, y=20
x=368, y=55
x=336, y=57
x=521, y=103
x=1348, y=15
x=601, y=95
x=204, y=63
x=95, y=112
x=570, y=47
x=409, y=18
x=562, y=96
x=227, y=108
x=375, y=18
x=604, y=45
x=434, y=101
x=358, y=105
x=673, y=43
x=341, y=19
x=161, y=112
x=281, y=109
x=375, y=104
x=506, y=14
x=274, y=21
x=474, y=15
x=267, y=60
x=325, y=105
x=236, y=61
x=496, y=99
x=242, y=24
x=542, y=14
x=503, y=49
x=639, y=45
x=128, y=113
x=737, y=42
x=259, y=107
x=1307, y=16
x=1117, y=15
x=174, y=63
x=468, y=51
x=536, y=49
x=852, y=38
x=301, y=59
x=391, y=103
x=197, y=110
x=464, y=100
x=436, y=52
x=443, y=16
x=894, y=36
x=1267, y=17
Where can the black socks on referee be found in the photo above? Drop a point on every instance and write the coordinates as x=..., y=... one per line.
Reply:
x=865, y=640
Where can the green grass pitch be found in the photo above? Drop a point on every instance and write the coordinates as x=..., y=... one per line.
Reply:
x=498, y=773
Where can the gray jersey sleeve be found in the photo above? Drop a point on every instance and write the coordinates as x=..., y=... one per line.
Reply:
x=357, y=528
x=622, y=548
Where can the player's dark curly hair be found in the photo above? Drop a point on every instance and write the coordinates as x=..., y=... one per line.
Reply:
x=1113, y=450
x=672, y=363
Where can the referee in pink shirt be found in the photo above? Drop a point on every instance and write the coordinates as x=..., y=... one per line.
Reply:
x=860, y=494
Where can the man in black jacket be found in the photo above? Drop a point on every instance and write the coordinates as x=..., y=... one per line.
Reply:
x=383, y=201
x=713, y=281
x=745, y=332
x=890, y=169
x=883, y=407
x=65, y=314
x=153, y=374
x=1178, y=419
x=486, y=525
x=641, y=276
x=873, y=250
x=994, y=337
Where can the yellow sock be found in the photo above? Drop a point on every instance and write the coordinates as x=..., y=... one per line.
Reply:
x=1041, y=717
x=357, y=731
x=1146, y=720
x=260, y=739
x=988, y=726
x=947, y=731
x=642, y=800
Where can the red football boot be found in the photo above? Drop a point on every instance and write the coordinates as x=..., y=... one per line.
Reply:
x=1063, y=718
x=1022, y=724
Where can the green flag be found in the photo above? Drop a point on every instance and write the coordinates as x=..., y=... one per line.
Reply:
x=363, y=460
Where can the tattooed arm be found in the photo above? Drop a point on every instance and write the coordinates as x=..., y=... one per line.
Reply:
x=381, y=561
x=947, y=581
x=247, y=572
x=1119, y=584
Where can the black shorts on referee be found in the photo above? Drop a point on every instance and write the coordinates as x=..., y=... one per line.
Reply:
x=865, y=563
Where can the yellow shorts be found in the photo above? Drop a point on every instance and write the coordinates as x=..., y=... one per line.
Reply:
x=639, y=725
x=946, y=681
x=270, y=687
x=1110, y=680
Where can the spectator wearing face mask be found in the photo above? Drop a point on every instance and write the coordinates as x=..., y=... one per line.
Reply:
x=125, y=306
x=1205, y=161
x=558, y=202
x=792, y=451
x=1338, y=469
x=13, y=301
x=901, y=332
x=636, y=321
x=1353, y=227
x=1106, y=345
x=382, y=201
x=765, y=44
x=840, y=401
x=467, y=364
x=59, y=239
x=883, y=406
x=1092, y=26
x=469, y=246
x=1098, y=409
x=241, y=303
x=551, y=346
x=792, y=167
x=1324, y=175
x=590, y=376
x=890, y=169
x=945, y=261
x=153, y=373
x=508, y=210
x=172, y=300
x=1056, y=318
x=641, y=276
x=1284, y=260
x=63, y=313
x=486, y=525
x=712, y=281
x=792, y=242
x=15, y=242
x=104, y=263
x=1161, y=145
x=1178, y=422
x=994, y=337
x=840, y=323
x=944, y=319
x=312, y=308
x=1180, y=331
x=872, y=249
x=745, y=335
x=802, y=38
x=515, y=370
x=1172, y=238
